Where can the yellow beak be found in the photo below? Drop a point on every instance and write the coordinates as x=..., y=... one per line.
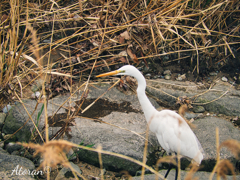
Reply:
x=109, y=73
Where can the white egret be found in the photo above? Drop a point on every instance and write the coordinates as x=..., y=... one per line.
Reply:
x=172, y=131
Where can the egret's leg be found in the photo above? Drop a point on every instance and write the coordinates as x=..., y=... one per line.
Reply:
x=170, y=167
x=176, y=175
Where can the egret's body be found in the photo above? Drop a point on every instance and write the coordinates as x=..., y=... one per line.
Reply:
x=172, y=131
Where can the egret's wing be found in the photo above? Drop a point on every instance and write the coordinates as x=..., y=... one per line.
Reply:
x=174, y=135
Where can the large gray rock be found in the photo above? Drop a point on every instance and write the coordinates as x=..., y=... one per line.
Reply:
x=206, y=133
x=228, y=98
x=114, y=139
x=15, y=167
x=123, y=140
x=14, y=122
x=18, y=118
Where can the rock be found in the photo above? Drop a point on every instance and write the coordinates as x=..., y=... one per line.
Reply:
x=206, y=130
x=198, y=109
x=112, y=138
x=126, y=143
x=7, y=108
x=228, y=104
x=15, y=153
x=181, y=77
x=66, y=173
x=165, y=58
x=3, y=151
x=13, y=147
x=148, y=75
x=167, y=77
x=190, y=115
x=15, y=167
x=213, y=74
x=17, y=117
x=199, y=175
x=13, y=123
x=224, y=79
x=37, y=86
x=2, y=119
x=36, y=95
x=167, y=72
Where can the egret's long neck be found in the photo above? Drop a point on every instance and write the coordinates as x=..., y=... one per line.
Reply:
x=147, y=106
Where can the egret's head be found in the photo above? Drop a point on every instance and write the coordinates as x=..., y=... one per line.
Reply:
x=125, y=70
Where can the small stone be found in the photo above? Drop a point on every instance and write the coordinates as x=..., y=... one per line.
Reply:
x=148, y=75
x=179, y=78
x=37, y=94
x=190, y=115
x=65, y=172
x=37, y=86
x=224, y=79
x=213, y=74
x=168, y=72
x=11, y=147
x=7, y=108
x=33, y=96
x=198, y=109
x=34, y=88
x=47, y=41
x=165, y=58
x=167, y=77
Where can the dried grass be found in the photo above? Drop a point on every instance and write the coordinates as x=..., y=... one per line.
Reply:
x=192, y=171
x=224, y=166
x=232, y=145
x=54, y=153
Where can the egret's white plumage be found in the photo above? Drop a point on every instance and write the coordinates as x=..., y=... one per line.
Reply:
x=172, y=131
